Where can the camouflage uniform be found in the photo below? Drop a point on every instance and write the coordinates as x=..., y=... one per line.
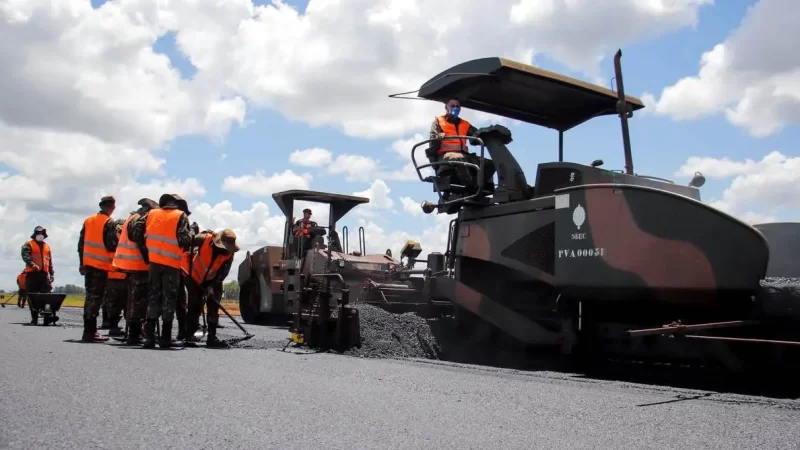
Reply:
x=96, y=279
x=163, y=281
x=38, y=281
x=197, y=295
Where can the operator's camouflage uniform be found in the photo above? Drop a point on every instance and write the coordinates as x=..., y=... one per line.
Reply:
x=465, y=175
x=96, y=279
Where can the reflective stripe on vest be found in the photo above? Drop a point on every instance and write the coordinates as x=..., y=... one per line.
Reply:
x=127, y=256
x=202, y=267
x=161, y=238
x=94, y=251
x=453, y=145
x=40, y=256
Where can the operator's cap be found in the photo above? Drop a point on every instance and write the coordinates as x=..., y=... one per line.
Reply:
x=107, y=200
x=225, y=239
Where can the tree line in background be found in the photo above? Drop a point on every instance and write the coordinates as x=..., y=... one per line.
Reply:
x=230, y=290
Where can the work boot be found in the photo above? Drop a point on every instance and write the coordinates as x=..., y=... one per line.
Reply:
x=149, y=334
x=134, y=333
x=90, y=332
x=212, y=341
x=165, y=340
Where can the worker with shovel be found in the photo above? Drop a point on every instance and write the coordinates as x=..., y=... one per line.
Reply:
x=204, y=270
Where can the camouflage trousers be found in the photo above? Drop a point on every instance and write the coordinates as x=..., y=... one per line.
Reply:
x=116, y=299
x=162, y=294
x=138, y=285
x=197, y=298
x=469, y=175
x=95, y=283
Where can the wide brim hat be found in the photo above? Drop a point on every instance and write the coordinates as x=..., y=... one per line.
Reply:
x=226, y=240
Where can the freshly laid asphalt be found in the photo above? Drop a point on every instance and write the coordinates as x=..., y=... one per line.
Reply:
x=60, y=393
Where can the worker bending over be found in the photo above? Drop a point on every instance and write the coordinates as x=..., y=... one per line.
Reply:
x=167, y=234
x=39, y=273
x=211, y=261
x=96, y=246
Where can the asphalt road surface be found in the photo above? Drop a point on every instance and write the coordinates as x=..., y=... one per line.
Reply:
x=58, y=393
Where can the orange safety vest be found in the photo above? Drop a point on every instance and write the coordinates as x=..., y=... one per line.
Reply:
x=449, y=129
x=41, y=259
x=202, y=267
x=116, y=274
x=160, y=238
x=94, y=251
x=304, y=230
x=127, y=256
x=21, y=280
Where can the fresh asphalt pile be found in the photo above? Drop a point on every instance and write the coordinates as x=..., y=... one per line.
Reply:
x=387, y=335
x=780, y=297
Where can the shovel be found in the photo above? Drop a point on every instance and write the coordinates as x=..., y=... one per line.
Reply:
x=234, y=340
x=9, y=299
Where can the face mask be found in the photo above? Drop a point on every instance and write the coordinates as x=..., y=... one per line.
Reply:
x=455, y=110
x=39, y=238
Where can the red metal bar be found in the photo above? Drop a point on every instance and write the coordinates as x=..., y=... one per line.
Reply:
x=678, y=328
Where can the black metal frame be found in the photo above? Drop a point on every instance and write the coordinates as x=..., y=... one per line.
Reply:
x=479, y=168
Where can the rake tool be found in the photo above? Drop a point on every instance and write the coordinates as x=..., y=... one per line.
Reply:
x=233, y=340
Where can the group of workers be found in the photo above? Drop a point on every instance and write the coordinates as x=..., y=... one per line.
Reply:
x=153, y=264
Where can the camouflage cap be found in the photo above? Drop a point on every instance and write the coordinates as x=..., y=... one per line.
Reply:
x=147, y=203
x=225, y=239
x=107, y=200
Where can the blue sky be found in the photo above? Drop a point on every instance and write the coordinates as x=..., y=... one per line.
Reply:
x=660, y=145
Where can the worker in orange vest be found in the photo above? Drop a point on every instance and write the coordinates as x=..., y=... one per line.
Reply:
x=96, y=246
x=116, y=296
x=167, y=234
x=132, y=259
x=455, y=149
x=22, y=293
x=39, y=273
x=211, y=263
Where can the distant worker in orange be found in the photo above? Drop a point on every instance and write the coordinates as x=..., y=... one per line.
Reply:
x=302, y=228
x=39, y=273
x=96, y=246
x=22, y=293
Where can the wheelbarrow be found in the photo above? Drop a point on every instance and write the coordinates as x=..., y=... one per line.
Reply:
x=46, y=305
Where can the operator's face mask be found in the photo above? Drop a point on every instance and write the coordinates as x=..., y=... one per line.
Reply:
x=39, y=238
x=454, y=110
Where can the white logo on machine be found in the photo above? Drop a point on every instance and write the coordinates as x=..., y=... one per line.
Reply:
x=579, y=216
x=572, y=177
